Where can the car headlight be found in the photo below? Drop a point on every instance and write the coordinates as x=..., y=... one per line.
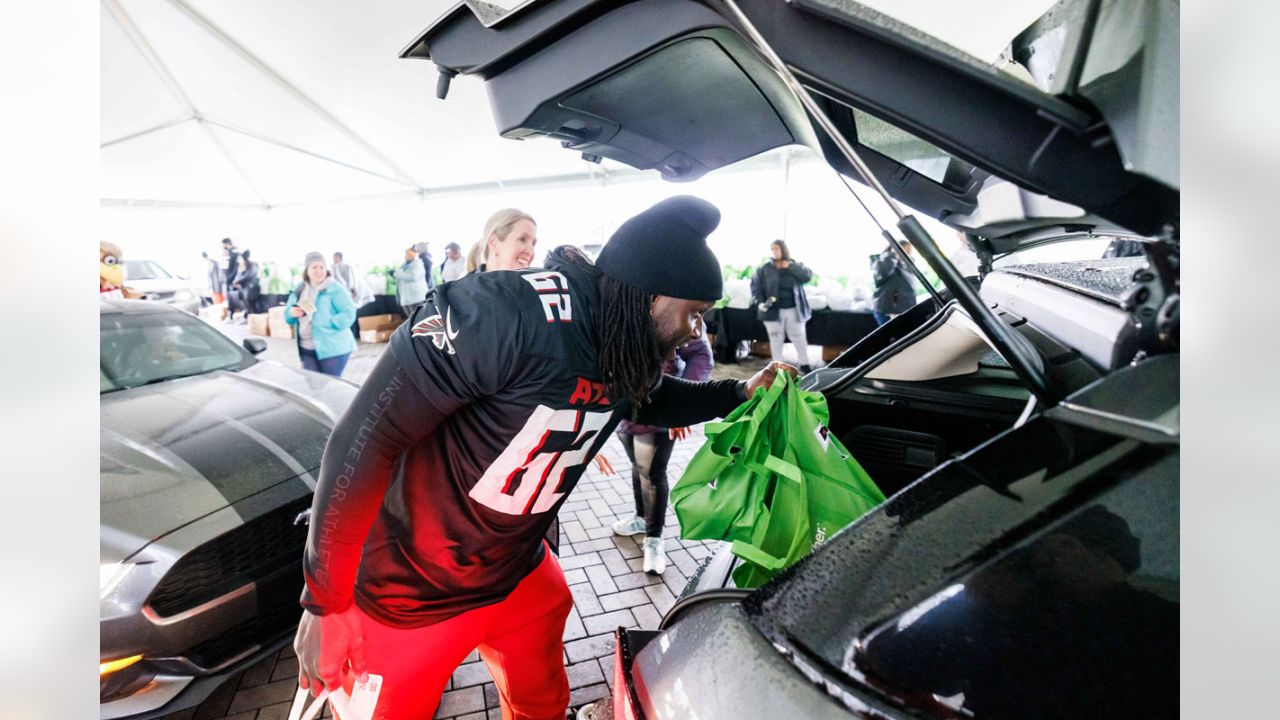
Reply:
x=109, y=666
x=184, y=295
x=109, y=576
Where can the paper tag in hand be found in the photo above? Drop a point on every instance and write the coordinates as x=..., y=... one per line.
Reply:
x=364, y=698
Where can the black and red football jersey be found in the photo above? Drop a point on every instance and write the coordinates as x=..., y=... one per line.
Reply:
x=440, y=481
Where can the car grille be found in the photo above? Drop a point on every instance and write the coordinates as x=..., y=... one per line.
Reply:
x=247, y=554
x=269, y=624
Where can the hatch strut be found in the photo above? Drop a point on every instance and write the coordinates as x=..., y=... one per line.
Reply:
x=1016, y=350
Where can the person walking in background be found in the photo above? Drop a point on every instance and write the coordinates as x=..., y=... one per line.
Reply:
x=895, y=291
x=230, y=267
x=322, y=310
x=454, y=265
x=216, y=279
x=777, y=289
x=509, y=239
x=424, y=257
x=246, y=285
x=345, y=274
x=649, y=449
x=411, y=284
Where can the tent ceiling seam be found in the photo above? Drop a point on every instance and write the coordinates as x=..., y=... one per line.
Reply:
x=149, y=54
x=280, y=143
x=231, y=159
x=142, y=133
x=270, y=73
x=139, y=203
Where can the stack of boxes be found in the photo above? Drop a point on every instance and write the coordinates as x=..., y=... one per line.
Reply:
x=276, y=323
x=378, y=328
x=257, y=323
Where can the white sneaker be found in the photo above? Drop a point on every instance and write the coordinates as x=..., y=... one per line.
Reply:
x=655, y=560
x=630, y=526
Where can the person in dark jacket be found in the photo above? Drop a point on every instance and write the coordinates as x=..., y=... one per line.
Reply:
x=215, y=278
x=424, y=256
x=777, y=289
x=895, y=291
x=649, y=450
x=231, y=257
x=441, y=478
x=246, y=285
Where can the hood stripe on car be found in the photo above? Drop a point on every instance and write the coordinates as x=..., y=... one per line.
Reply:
x=233, y=439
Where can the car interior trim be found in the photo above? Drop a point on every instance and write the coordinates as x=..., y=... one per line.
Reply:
x=1104, y=334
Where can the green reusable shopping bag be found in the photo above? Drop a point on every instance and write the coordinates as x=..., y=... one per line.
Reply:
x=772, y=480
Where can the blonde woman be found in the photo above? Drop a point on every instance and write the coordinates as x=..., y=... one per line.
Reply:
x=475, y=258
x=508, y=240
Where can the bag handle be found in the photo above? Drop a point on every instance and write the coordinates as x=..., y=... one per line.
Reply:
x=754, y=554
x=337, y=700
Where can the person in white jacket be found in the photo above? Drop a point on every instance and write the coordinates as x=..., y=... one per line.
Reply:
x=454, y=265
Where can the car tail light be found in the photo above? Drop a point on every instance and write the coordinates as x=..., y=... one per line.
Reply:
x=110, y=666
x=626, y=706
x=623, y=708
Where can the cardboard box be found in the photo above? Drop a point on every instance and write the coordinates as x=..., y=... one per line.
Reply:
x=258, y=324
x=213, y=313
x=376, y=336
x=280, y=328
x=275, y=313
x=380, y=322
x=831, y=352
x=760, y=348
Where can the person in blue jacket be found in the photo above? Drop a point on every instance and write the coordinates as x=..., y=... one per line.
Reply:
x=322, y=310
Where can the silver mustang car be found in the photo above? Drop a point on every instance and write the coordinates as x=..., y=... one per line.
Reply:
x=208, y=458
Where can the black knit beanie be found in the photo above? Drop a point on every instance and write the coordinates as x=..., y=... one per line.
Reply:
x=663, y=250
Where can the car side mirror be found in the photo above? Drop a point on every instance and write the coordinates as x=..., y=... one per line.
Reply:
x=255, y=345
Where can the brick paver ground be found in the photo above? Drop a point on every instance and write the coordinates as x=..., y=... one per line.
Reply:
x=602, y=569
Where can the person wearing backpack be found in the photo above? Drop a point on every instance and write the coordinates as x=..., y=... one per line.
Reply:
x=322, y=311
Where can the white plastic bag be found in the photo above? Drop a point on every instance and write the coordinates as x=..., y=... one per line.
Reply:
x=358, y=705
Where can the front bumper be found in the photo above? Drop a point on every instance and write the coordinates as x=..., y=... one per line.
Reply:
x=196, y=619
x=167, y=694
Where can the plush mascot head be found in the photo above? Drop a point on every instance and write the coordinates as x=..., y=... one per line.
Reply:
x=111, y=269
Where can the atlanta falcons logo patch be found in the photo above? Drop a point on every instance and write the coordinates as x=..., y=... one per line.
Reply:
x=440, y=331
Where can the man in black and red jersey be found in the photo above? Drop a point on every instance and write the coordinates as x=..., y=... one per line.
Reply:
x=440, y=481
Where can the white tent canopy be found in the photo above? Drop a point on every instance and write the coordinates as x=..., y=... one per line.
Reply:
x=238, y=103
x=214, y=111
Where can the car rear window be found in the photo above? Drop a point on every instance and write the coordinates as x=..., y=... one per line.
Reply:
x=906, y=149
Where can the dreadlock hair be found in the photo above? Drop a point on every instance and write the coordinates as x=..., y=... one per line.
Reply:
x=630, y=359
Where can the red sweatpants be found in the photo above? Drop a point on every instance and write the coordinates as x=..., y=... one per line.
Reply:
x=519, y=639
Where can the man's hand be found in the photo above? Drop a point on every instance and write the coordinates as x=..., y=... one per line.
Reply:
x=297, y=311
x=602, y=462
x=679, y=433
x=765, y=377
x=324, y=644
